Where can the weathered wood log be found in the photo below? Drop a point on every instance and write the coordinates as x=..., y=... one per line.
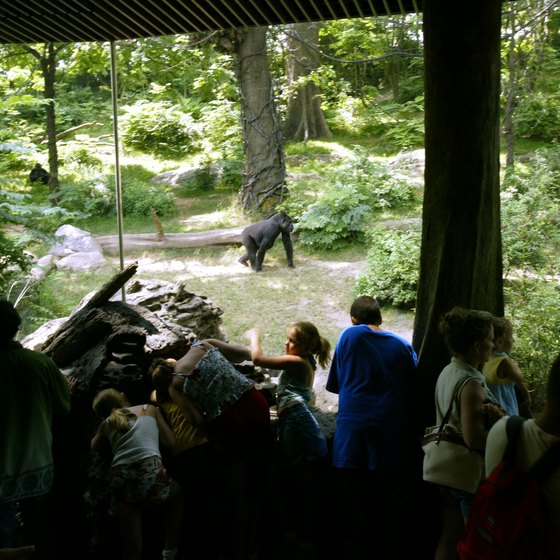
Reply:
x=110, y=288
x=77, y=335
x=212, y=238
x=85, y=326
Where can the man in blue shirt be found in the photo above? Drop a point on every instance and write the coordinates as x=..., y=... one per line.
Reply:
x=372, y=371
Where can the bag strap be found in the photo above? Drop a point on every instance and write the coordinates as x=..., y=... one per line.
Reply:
x=549, y=460
x=459, y=385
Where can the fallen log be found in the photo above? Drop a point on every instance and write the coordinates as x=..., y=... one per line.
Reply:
x=212, y=238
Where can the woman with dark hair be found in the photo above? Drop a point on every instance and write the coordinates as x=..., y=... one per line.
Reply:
x=469, y=336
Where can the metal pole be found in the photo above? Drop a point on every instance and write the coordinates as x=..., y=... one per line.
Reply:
x=118, y=182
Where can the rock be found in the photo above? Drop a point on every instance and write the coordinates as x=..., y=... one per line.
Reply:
x=80, y=261
x=77, y=250
x=76, y=245
x=177, y=177
x=70, y=231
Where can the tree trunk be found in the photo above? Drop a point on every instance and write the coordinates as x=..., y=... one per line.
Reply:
x=47, y=61
x=461, y=261
x=265, y=169
x=305, y=118
x=48, y=67
x=509, y=108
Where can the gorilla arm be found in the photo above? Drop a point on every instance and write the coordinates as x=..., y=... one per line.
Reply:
x=287, y=240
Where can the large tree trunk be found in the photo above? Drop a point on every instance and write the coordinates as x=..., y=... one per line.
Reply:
x=47, y=61
x=265, y=169
x=510, y=91
x=461, y=261
x=305, y=118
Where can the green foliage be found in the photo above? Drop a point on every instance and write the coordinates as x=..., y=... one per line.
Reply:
x=392, y=264
x=91, y=193
x=41, y=219
x=14, y=263
x=338, y=217
x=76, y=106
x=538, y=116
x=160, y=129
x=92, y=196
x=80, y=156
x=531, y=214
x=385, y=187
x=232, y=170
x=533, y=305
x=221, y=129
x=139, y=197
x=401, y=125
x=343, y=210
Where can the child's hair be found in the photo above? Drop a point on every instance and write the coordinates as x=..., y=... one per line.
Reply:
x=366, y=311
x=501, y=326
x=110, y=405
x=162, y=373
x=307, y=336
x=461, y=328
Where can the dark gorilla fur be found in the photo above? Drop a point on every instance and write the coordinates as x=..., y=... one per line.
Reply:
x=39, y=174
x=260, y=237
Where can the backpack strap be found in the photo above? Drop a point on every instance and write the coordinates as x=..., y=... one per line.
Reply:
x=549, y=460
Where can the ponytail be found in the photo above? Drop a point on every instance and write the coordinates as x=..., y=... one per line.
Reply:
x=307, y=335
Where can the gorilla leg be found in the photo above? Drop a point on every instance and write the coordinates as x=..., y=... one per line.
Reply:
x=260, y=257
x=251, y=252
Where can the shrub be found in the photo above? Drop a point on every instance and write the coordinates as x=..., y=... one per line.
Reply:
x=221, y=129
x=14, y=263
x=538, y=116
x=139, y=197
x=384, y=187
x=159, y=129
x=400, y=125
x=533, y=305
x=531, y=214
x=392, y=264
x=343, y=210
x=91, y=195
x=82, y=157
x=339, y=216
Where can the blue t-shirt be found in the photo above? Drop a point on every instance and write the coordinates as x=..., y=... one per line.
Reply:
x=372, y=373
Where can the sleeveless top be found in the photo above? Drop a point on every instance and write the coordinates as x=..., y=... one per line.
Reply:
x=139, y=442
x=215, y=384
x=502, y=387
x=186, y=435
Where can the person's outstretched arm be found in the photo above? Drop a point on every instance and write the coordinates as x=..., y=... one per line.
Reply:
x=233, y=352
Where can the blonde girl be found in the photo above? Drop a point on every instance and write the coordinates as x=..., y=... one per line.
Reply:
x=137, y=476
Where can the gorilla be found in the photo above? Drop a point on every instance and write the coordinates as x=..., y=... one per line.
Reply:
x=260, y=237
x=39, y=174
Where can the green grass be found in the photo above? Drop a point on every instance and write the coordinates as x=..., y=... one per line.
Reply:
x=57, y=295
x=319, y=289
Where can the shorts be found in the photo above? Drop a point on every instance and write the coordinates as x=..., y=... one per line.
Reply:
x=144, y=483
x=451, y=497
x=300, y=437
